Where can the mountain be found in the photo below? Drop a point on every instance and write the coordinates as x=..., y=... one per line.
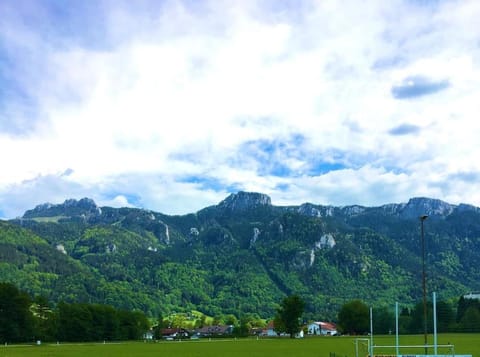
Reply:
x=85, y=207
x=242, y=255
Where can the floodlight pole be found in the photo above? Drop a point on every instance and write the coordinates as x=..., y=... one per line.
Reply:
x=397, y=350
x=424, y=282
x=371, y=332
x=435, y=323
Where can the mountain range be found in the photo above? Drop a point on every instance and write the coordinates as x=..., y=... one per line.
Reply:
x=242, y=255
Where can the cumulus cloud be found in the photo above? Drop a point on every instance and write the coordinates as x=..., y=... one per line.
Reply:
x=172, y=105
x=17, y=198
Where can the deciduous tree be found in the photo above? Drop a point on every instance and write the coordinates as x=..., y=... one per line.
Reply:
x=16, y=319
x=289, y=314
x=353, y=317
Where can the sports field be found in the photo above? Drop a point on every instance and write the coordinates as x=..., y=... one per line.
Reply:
x=282, y=347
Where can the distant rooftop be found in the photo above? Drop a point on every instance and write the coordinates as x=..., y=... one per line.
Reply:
x=472, y=295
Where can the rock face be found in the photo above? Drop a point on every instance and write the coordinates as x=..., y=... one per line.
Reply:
x=256, y=234
x=432, y=207
x=414, y=208
x=420, y=206
x=326, y=241
x=61, y=248
x=311, y=210
x=243, y=201
x=70, y=208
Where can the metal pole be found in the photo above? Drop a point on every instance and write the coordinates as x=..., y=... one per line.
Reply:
x=424, y=283
x=435, y=323
x=396, y=330
x=371, y=332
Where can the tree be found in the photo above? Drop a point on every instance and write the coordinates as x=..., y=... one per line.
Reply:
x=445, y=316
x=230, y=320
x=417, y=321
x=16, y=319
x=464, y=305
x=404, y=321
x=288, y=315
x=160, y=325
x=383, y=321
x=243, y=329
x=74, y=322
x=133, y=324
x=44, y=319
x=353, y=317
x=470, y=321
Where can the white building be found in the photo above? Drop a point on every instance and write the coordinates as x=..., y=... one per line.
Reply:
x=474, y=295
x=322, y=328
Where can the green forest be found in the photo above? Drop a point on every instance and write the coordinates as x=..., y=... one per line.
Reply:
x=242, y=256
x=24, y=318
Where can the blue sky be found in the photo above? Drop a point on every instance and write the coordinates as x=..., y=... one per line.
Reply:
x=172, y=105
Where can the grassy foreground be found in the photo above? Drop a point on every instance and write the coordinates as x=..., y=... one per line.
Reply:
x=309, y=347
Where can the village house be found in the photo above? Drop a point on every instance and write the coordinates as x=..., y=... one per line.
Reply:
x=174, y=333
x=149, y=335
x=322, y=328
x=269, y=330
x=472, y=295
x=216, y=330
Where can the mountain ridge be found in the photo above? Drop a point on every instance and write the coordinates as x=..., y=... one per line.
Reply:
x=242, y=201
x=241, y=255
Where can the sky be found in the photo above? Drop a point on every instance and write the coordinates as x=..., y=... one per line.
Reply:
x=172, y=105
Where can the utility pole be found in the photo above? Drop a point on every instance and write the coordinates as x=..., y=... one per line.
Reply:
x=424, y=282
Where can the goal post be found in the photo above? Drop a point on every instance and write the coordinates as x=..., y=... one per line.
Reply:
x=447, y=350
x=366, y=347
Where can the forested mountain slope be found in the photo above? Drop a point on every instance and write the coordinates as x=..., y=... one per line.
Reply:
x=242, y=255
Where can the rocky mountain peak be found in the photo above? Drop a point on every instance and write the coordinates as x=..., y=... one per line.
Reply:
x=69, y=208
x=419, y=206
x=309, y=209
x=85, y=203
x=242, y=201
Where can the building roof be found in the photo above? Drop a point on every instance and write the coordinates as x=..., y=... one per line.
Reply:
x=270, y=325
x=171, y=331
x=472, y=295
x=328, y=326
x=215, y=330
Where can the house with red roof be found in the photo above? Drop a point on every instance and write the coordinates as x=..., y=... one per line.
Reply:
x=269, y=330
x=322, y=328
x=174, y=333
x=216, y=330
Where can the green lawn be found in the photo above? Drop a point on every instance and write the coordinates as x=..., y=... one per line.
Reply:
x=309, y=347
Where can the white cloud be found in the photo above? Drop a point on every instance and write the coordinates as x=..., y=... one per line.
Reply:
x=174, y=90
x=117, y=201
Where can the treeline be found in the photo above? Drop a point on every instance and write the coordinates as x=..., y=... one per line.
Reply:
x=25, y=319
x=463, y=316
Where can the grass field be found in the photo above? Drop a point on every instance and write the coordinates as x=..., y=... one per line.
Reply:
x=309, y=347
